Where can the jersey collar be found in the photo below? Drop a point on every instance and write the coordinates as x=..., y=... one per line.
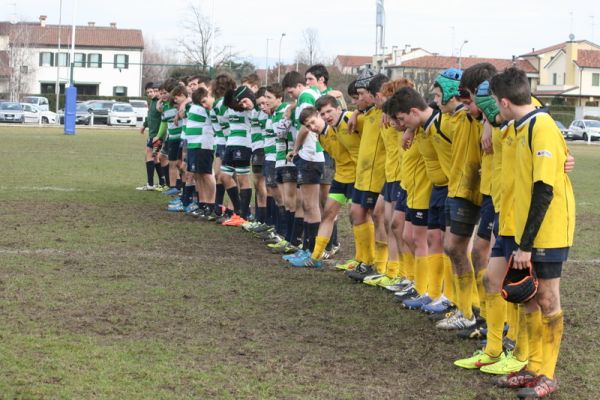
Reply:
x=339, y=121
x=458, y=108
x=430, y=120
x=525, y=119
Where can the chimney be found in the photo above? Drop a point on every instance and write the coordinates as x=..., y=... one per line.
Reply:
x=407, y=48
x=43, y=20
x=91, y=23
x=113, y=24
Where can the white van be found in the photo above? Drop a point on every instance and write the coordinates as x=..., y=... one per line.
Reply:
x=40, y=102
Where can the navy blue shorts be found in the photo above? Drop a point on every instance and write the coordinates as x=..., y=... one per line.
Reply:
x=270, y=173
x=547, y=263
x=437, y=204
x=401, y=200
x=496, y=228
x=237, y=156
x=220, y=151
x=200, y=161
x=390, y=191
x=174, y=149
x=309, y=172
x=345, y=189
x=461, y=216
x=417, y=217
x=365, y=199
x=149, y=143
x=257, y=159
x=287, y=174
x=504, y=246
x=328, y=170
x=486, y=222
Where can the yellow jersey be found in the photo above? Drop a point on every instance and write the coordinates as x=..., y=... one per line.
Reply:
x=331, y=140
x=370, y=165
x=432, y=164
x=495, y=187
x=487, y=170
x=415, y=180
x=393, y=153
x=441, y=141
x=541, y=153
x=465, y=132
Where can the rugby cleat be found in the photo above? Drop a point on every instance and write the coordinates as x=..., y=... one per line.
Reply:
x=507, y=365
x=456, y=322
x=234, y=220
x=516, y=380
x=477, y=360
x=360, y=272
x=438, y=306
x=172, y=191
x=307, y=262
x=372, y=280
x=542, y=386
x=416, y=303
x=399, y=285
x=408, y=292
x=348, y=265
x=146, y=188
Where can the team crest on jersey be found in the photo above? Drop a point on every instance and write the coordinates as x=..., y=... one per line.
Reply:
x=544, y=153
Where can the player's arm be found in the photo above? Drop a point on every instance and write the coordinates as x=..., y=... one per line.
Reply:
x=486, y=138
x=162, y=132
x=300, y=138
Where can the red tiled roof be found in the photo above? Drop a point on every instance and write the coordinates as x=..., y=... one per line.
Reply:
x=85, y=36
x=443, y=62
x=588, y=58
x=354, y=61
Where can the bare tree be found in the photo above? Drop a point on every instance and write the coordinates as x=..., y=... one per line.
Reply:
x=157, y=62
x=310, y=53
x=18, y=60
x=198, y=42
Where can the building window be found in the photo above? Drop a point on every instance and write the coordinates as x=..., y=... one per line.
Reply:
x=121, y=61
x=46, y=59
x=62, y=59
x=596, y=79
x=79, y=60
x=120, y=91
x=94, y=60
x=554, y=79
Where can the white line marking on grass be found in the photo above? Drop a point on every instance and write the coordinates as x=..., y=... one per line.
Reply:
x=42, y=188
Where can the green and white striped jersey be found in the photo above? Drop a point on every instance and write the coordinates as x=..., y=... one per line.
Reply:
x=311, y=149
x=239, y=126
x=257, y=132
x=218, y=121
x=199, y=129
x=168, y=116
x=269, y=134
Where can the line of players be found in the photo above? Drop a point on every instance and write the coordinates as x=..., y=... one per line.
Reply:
x=441, y=198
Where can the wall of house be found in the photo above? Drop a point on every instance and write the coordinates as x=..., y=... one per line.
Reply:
x=106, y=77
x=586, y=80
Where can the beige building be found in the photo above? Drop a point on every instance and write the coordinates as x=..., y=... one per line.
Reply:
x=569, y=70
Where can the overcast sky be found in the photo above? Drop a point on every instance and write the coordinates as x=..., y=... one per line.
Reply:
x=494, y=28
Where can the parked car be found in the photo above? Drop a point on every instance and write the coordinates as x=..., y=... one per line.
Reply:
x=11, y=112
x=122, y=114
x=584, y=129
x=34, y=115
x=82, y=115
x=565, y=132
x=141, y=108
x=100, y=109
x=39, y=101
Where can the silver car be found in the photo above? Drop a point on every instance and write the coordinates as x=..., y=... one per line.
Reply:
x=11, y=112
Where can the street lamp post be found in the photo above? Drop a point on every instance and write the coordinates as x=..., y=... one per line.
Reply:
x=267, y=63
x=279, y=59
x=460, y=54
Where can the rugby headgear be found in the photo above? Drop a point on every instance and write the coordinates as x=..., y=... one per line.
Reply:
x=365, y=77
x=520, y=285
x=448, y=82
x=232, y=98
x=486, y=103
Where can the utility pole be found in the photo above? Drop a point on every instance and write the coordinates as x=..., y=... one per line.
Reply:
x=57, y=87
x=267, y=63
x=279, y=59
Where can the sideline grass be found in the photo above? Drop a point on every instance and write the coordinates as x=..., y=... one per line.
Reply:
x=104, y=295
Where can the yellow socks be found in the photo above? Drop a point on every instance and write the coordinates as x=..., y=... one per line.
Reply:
x=320, y=244
x=535, y=332
x=364, y=235
x=436, y=275
x=552, y=328
x=393, y=269
x=464, y=297
x=381, y=255
x=449, y=280
x=512, y=317
x=421, y=273
x=496, y=314
x=409, y=266
x=481, y=293
x=521, y=351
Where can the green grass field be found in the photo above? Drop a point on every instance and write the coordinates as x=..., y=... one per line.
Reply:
x=105, y=295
